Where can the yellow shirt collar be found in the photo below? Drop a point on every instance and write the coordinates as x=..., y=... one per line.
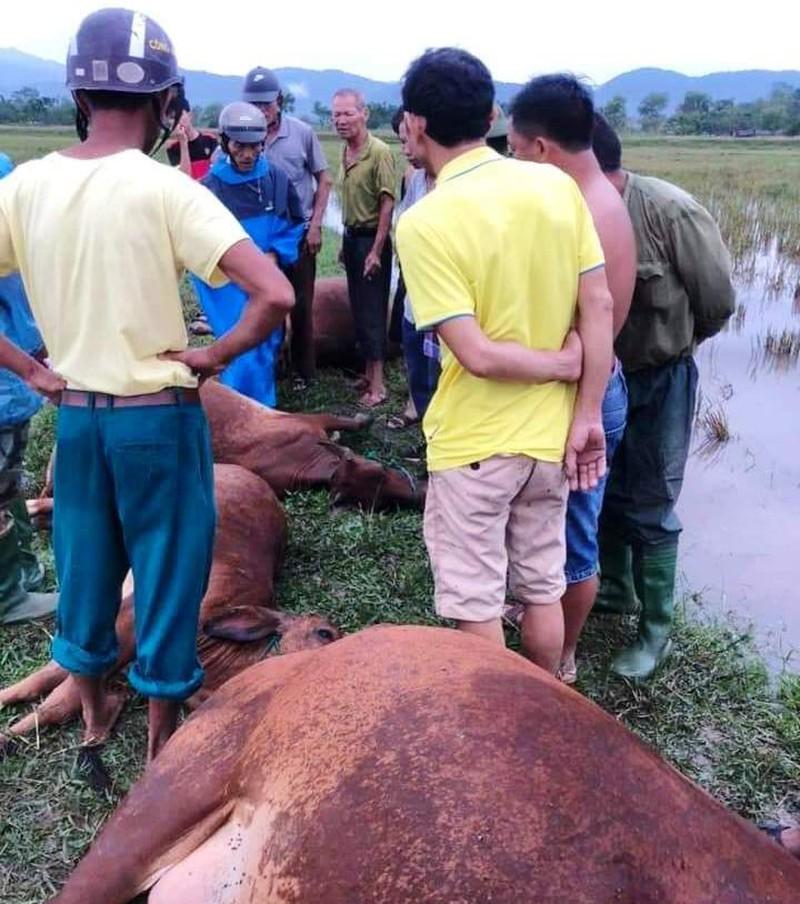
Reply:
x=467, y=161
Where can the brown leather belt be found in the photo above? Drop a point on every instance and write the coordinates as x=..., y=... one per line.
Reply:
x=77, y=398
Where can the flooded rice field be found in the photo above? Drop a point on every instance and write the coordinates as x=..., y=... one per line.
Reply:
x=741, y=499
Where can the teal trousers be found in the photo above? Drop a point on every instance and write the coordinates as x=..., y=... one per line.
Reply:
x=134, y=488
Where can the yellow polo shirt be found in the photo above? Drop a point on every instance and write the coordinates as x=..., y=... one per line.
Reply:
x=504, y=242
x=101, y=245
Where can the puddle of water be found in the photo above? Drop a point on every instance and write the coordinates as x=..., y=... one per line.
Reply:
x=333, y=214
x=741, y=498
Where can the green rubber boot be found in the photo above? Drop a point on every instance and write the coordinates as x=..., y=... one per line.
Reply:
x=654, y=570
x=32, y=570
x=16, y=603
x=616, y=595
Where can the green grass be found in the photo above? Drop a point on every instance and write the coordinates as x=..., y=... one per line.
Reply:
x=713, y=710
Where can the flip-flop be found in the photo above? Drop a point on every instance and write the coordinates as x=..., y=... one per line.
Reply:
x=401, y=421
x=774, y=830
x=370, y=401
x=567, y=675
x=512, y=615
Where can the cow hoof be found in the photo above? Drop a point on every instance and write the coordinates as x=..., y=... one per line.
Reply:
x=93, y=769
x=9, y=746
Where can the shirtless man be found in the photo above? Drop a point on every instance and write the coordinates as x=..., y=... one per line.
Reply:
x=552, y=122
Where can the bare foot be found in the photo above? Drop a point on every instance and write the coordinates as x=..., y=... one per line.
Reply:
x=162, y=720
x=101, y=722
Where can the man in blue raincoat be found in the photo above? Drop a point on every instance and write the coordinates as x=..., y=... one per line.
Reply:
x=263, y=199
x=20, y=572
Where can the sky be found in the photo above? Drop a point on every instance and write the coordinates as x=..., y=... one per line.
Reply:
x=515, y=39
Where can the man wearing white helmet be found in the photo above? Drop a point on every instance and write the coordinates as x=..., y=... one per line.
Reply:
x=264, y=201
x=293, y=146
x=101, y=233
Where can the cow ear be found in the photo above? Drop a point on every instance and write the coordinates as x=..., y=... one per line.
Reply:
x=243, y=624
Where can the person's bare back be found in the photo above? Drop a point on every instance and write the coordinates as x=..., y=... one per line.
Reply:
x=615, y=231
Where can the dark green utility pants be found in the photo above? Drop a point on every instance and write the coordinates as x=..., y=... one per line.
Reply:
x=647, y=473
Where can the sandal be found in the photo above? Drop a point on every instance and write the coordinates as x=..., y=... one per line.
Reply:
x=567, y=674
x=773, y=829
x=370, y=400
x=401, y=421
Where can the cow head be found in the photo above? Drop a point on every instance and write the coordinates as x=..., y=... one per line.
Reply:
x=371, y=485
x=278, y=632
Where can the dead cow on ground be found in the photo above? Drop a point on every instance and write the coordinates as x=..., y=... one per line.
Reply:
x=409, y=764
x=293, y=452
x=248, y=551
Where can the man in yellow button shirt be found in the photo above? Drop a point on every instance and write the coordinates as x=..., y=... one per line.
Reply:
x=499, y=259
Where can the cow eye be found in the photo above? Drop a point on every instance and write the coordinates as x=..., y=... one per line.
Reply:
x=325, y=634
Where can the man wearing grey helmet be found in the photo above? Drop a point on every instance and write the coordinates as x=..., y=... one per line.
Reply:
x=264, y=201
x=293, y=146
x=102, y=231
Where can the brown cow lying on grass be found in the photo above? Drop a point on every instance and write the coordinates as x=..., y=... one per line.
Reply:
x=248, y=551
x=292, y=452
x=407, y=764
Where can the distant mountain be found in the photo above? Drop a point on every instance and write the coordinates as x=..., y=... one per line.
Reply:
x=19, y=70
x=747, y=85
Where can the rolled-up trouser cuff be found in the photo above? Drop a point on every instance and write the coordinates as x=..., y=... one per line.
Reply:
x=577, y=577
x=78, y=661
x=165, y=690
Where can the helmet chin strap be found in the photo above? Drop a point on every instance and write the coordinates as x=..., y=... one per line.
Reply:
x=81, y=120
x=173, y=111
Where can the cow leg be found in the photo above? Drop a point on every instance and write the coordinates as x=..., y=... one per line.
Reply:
x=62, y=705
x=331, y=422
x=36, y=685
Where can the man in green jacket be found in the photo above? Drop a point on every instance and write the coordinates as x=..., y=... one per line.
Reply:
x=683, y=295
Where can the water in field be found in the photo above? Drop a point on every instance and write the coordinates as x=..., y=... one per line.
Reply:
x=741, y=500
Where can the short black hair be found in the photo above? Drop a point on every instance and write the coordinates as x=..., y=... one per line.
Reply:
x=118, y=100
x=397, y=118
x=606, y=145
x=454, y=91
x=558, y=107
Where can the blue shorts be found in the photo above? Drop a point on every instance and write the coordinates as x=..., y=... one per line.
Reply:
x=583, y=508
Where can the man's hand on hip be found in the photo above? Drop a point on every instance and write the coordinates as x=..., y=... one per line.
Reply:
x=202, y=362
x=46, y=382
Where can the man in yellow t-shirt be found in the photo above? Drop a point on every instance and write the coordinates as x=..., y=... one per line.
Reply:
x=101, y=234
x=499, y=259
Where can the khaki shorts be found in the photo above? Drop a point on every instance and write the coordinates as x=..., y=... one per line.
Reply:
x=495, y=525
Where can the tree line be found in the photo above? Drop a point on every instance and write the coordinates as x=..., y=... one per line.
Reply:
x=699, y=114
x=28, y=107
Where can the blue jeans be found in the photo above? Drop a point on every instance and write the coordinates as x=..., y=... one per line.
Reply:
x=423, y=371
x=135, y=488
x=583, y=508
